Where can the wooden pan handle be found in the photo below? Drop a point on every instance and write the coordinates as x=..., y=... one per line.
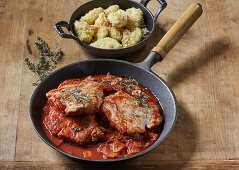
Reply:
x=178, y=29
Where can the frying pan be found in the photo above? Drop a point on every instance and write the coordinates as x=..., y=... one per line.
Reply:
x=140, y=71
x=149, y=21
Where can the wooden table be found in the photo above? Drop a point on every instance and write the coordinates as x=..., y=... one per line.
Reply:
x=202, y=70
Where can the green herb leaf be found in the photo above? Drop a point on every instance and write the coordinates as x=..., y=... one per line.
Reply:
x=76, y=129
x=128, y=85
x=79, y=96
x=46, y=62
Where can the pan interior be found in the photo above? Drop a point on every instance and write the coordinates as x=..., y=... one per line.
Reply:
x=103, y=66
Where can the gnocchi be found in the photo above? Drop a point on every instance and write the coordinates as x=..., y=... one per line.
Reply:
x=92, y=15
x=111, y=28
x=111, y=9
x=84, y=31
x=135, y=18
x=131, y=38
x=118, y=19
x=107, y=43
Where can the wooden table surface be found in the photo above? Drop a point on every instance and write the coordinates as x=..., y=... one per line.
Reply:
x=202, y=70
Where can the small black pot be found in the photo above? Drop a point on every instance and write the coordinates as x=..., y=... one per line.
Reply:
x=149, y=21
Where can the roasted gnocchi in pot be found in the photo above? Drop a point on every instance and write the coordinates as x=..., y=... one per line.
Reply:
x=111, y=28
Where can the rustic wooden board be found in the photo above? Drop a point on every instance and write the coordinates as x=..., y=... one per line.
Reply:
x=11, y=57
x=168, y=165
x=202, y=70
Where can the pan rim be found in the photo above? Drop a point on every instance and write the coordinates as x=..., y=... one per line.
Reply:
x=107, y=160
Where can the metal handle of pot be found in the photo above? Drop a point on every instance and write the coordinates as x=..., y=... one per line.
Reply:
x=174, y=34
x=162, y=7
x=61, y=32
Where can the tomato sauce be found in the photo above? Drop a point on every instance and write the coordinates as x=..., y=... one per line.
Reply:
x=114, y=145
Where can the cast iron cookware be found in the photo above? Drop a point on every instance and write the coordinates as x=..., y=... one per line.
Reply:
x=140, y=71
x=149, y=21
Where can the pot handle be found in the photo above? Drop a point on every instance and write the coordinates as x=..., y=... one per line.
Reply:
x=162, y=7
x=61, y=32
x=174, y=34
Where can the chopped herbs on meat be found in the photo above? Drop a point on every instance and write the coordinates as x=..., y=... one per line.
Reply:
x=128, y=85
x=76, y=97
x=79, y=96
x=141, y=98
x=77, y=91
x=117, y=138
x=76, y=129
x=109, y=85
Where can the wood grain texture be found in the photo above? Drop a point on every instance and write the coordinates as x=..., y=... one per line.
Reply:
x=202, y=70
x=28, y=142
x=11, y=57
x=168, y=165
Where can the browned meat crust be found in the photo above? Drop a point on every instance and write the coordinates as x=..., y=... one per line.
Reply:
x=79, y=129
x=125, y=114
x=77, y=97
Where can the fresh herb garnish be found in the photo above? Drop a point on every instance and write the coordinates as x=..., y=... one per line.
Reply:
x=76, y=129
x=116, y=138
x=76, y=97
x=46, y=62
x=77, y=91
x=128, y=85
x=79, y=95
x=109, y=85
x=141, y=98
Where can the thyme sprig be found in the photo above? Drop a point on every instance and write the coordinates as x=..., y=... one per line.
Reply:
x=79, y=96
x=76, y=129
x=46, y=62
x=141, y=98
x=128, y=85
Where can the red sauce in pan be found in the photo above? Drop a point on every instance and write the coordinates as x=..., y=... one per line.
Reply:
x=122, y=145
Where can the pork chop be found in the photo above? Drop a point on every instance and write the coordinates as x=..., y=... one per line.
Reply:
x=80, y=129
x=77, y=97
x=127, y=116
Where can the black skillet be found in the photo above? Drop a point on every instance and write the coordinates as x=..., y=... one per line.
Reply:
x=149, y=21
x=140, y=71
